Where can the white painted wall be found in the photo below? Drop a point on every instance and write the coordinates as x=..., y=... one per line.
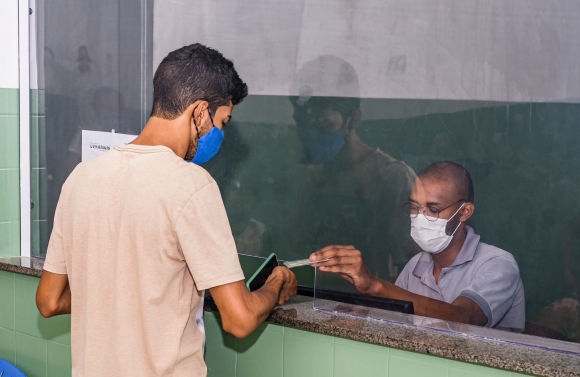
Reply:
x=484, y=50
x=9, y=44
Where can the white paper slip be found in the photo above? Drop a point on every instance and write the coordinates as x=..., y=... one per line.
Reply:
x=95, y=143
x=302, y=262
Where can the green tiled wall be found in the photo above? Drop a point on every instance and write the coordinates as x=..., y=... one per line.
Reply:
x=38, y=346
x=9, y=174
x=279, y=351
x=41, y=347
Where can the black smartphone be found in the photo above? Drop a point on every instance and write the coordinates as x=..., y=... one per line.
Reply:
x=261, y=275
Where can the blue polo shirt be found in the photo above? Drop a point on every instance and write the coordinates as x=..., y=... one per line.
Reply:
x=486, y=274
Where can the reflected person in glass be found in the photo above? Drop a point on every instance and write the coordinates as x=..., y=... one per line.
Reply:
x=456, y=277
x=85, y=81
x=352, y=191
x=561, y=318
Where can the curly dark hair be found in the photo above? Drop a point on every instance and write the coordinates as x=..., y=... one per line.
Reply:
x=193, y=73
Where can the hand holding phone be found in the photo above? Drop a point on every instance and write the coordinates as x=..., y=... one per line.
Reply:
x=262, y=273
x=289, y=283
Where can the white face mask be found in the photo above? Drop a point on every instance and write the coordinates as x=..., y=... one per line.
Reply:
x=430, y=235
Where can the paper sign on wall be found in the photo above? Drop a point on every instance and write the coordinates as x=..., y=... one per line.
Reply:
x=95, y=143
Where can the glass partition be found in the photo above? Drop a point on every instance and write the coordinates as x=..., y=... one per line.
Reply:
x=491, y=86
x=348, y=104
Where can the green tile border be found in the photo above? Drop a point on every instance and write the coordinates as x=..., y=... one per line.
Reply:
x=8, y=345
x=7, y=300
x=9, y=142
x=59, y=361
x=31, y=355
x=9, y=101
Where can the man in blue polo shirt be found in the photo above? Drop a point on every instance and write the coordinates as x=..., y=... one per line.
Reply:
x=456, y=277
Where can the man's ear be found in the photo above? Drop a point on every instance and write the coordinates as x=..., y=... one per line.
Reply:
x=195, y=110
x=466, y=212
x=353, y=119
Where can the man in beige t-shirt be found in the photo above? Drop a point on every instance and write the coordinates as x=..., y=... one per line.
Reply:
x=140, y=232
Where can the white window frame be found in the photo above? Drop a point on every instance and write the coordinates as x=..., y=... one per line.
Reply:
x=24, y=123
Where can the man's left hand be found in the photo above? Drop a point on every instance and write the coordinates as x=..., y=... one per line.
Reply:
x=348, y=262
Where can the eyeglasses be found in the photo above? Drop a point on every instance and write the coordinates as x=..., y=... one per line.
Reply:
x=430, y=212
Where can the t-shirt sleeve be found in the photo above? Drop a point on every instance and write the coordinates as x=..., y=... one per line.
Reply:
x=494, y=288
x=55, y=261
x=206, y=240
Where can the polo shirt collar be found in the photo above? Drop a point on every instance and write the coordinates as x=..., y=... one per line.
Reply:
x=466, y=254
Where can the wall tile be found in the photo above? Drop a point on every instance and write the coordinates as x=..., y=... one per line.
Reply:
x=360, y=359
x=8, y=345
x=261, y=354
x=28, y=319
x=31, y=355
x=27, y=278
x=58, y=329
x=9, y=142
x=9, y=101
x=9, y=238
x=7, y=300
x=307, y=354
x=59, y=363
x=411, y=364
x=7, y=274
x=220, y=349
x=9, y=195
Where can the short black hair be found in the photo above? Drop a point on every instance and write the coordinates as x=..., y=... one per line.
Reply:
x=194, y=73
x=344, y=105
x=323, y=74
x=449, y=170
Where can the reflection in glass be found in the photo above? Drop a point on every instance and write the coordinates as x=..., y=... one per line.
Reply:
x=347, y=181
x=91, y=74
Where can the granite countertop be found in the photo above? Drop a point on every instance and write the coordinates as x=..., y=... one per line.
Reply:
x=22, y=265
x=472, y=344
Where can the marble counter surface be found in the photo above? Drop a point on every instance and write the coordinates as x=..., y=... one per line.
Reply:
x=403, y=331
x=22, y=265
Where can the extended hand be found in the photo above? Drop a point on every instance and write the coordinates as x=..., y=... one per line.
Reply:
x=346, y=261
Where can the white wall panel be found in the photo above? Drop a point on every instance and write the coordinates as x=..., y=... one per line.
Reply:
x=9, y=44
x=497, y=50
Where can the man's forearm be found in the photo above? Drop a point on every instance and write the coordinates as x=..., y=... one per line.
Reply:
x=64, y=302
x=264, y=299
x=425, y=306
x=53, y=295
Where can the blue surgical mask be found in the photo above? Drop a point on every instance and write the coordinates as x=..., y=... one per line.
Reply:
x=208, y=146
x=324, y=148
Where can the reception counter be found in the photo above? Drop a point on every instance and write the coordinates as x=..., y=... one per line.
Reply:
x=298, y=340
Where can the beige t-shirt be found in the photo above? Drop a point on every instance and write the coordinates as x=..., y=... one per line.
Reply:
x=140, y=233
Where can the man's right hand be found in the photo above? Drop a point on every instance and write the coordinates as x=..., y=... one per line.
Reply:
x=348, y=262
x=289, y=283
x=243, y=311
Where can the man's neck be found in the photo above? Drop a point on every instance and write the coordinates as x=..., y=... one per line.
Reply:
x=353, y=151
x=159, y=131
x=447, y=257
